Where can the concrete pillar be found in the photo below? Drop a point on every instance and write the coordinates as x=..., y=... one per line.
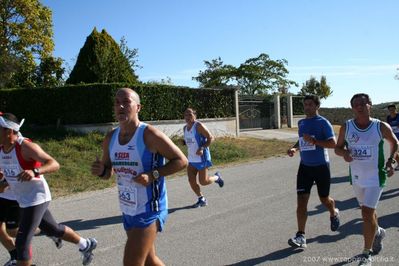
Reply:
x=290, y=113
x=237, y=112
x=277, y=117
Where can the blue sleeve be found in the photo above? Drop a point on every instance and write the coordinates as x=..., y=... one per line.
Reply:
x=328, y=130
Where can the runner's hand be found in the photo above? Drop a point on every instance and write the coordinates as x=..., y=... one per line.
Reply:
x=348, y=157
x=144, y=179
x=389, y=168
x=97, y=167
x=26, y=175
x=291, y=152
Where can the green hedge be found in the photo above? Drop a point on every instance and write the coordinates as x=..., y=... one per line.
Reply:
x=93, y=103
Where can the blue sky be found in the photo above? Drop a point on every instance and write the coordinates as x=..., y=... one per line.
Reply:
x=353, y=43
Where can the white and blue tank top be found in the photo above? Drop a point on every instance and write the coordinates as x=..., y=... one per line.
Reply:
x=128, y=161
x=194, y=140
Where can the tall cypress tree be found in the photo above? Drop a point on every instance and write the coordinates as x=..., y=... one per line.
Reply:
x=101, y=60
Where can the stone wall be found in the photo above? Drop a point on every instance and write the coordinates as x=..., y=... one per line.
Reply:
x=219, y=127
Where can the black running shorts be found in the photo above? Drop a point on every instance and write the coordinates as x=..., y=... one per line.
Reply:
x=308, y=175
x=9, y=213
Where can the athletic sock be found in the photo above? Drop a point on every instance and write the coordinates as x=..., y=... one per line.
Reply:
x=82, y=243
x=367, y=251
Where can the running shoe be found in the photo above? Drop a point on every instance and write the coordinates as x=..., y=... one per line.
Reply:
x=11, y=262
x=202, y=202
x=87, y=253
x=219, y=181
x=365, y=259
x=335, y=221
x=299, y=241
x=377, y=244
x=57, y=241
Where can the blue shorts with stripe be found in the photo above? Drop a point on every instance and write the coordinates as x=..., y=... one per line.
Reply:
x=144, y=220
x=201, y=165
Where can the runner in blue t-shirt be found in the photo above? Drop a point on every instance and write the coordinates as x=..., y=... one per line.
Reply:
x=393, y=121
x=315, y=136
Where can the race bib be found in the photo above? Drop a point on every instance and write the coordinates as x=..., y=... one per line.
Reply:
x=361, y=152
x=190, y=141
x=11, y=170
x=127, y=199
x=306, y=146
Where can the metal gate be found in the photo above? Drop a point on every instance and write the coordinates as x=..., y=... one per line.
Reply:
x=256, y=112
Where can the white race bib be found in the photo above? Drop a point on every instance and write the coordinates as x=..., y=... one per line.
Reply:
x=361, y=152
x=306, y=146
x=127, y=199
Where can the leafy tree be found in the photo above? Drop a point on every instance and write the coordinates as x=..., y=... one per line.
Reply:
x=101, y=60
x=262, y=75
x=49, y=72
x=130, y=54
x=216, y=74
x=25, y=39
x=313, y=86
x=259, y=75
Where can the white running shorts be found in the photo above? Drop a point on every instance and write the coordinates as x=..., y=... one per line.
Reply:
x=367, y=196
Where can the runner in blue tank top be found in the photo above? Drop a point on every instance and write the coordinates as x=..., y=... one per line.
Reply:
x=315, y=136
x=393, y=121
x=135, y=152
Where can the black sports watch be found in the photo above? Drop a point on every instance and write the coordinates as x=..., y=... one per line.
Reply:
x=392, y=160
x=36, y=172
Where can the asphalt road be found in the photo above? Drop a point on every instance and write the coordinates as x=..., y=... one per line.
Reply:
x=248, y=222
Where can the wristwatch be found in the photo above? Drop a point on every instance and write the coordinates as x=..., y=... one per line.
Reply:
x=155, y=174
x=36, y=172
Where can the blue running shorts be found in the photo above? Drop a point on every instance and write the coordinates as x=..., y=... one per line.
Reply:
x=144, y=220
x=201, y=165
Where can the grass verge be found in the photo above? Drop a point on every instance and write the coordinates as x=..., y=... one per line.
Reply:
x=75, y=153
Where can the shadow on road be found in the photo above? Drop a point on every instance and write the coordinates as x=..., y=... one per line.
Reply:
x=172, y=210
x=352, y=202
x=277, y=255
x=339, y=179
x=341, y=205
x=92, y=224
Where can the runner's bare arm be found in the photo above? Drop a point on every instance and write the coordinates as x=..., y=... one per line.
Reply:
x=103, y=168
x=33, y=152
x=340, y=148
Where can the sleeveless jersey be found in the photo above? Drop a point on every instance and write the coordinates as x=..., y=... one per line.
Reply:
x=8, y=194
x=367, y=150
x=194, y=140
x=128, y=161
x=394, y=123
x=27, y=193
x=320, y=129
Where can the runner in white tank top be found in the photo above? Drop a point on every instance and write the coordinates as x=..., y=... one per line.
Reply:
x=360, y=143
x=23, y=164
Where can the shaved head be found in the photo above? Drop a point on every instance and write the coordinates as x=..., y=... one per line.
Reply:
x=132, y=94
